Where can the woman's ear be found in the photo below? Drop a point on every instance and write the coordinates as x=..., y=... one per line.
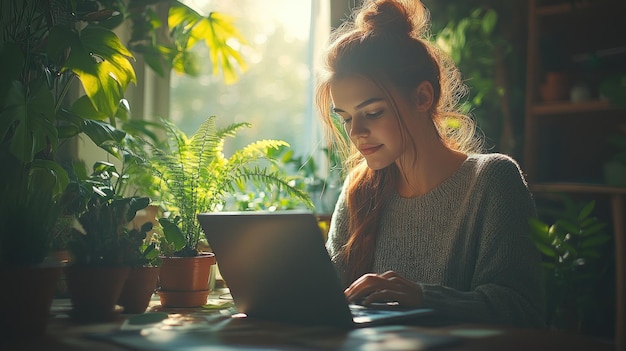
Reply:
x=424, y=96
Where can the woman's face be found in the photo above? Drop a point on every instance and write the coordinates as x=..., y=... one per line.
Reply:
x=369, y=120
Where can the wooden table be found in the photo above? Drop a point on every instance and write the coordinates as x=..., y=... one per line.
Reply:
x=188, y=328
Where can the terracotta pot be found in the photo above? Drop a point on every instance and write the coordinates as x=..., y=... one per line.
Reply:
x=60, y=257
x=556, y=87
x=94, y=291
x=138, y=289
x=184, y=281
x=27, y=294
x=186, y=273
x=191, y=298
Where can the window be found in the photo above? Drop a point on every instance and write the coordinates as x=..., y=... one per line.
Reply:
x=275, y=94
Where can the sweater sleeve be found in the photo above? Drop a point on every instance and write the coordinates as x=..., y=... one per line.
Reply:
x=506, y=286
x=338, y=232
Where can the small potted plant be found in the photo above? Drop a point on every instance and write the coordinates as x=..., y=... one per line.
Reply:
x=142, y=255
x=100, y=249
x=573, y=244
x=197, y=177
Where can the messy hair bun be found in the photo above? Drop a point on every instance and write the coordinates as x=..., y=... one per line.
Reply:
x=393, y=18
x=389, y=41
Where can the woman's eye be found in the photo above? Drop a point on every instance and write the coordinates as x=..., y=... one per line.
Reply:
x=374, y=114
x=347, y=120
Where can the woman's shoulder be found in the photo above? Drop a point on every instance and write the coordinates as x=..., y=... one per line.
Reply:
x=496, y=166
x=495, y=161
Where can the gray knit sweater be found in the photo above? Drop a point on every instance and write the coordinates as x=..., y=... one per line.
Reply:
x=466, y=242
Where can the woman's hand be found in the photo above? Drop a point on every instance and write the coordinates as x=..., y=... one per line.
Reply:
x=386, y=287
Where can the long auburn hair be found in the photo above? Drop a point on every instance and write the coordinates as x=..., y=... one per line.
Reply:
x=387, y=42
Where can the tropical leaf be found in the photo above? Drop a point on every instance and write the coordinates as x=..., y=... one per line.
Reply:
x=28, y=115
x=101, y=62
x=216, y=30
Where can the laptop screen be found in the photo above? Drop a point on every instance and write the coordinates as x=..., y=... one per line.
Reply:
x=277, y=267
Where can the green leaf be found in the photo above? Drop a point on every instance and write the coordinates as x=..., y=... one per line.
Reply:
x=216, y=30
x=172, y=233
x=67, y=131
x=136, y=204
x=545, y=249
x=586, y=211
x=595, y=241
x=538, y=226
x=568, y=226
x=29, y=111
x=102, y=133
x=51, y=173
x=489, y=21
x=594, y=229
x=84, y=108
x=101, y=167
x=123, y=111
x=103, y=66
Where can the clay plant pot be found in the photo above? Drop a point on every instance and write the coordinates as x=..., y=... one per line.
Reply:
x=181, y=276
x=94, y=292
x=27, y=294
x=138, y=289
x=555, y=88
x=190, y=298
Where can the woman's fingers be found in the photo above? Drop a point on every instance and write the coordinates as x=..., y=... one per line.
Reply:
x=385, y=287
x=364, y=286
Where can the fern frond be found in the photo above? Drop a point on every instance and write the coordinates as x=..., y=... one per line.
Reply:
x=256, y=150
x=263, y=178
x=231, y=130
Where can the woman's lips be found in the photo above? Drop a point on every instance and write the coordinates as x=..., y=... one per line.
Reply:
x=368, y=150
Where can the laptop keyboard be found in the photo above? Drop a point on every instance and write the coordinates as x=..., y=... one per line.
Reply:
x=360, y=310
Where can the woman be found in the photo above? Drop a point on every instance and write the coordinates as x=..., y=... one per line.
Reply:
x=423, y=218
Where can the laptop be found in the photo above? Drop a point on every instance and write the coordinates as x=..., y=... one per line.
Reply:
x=277, y=268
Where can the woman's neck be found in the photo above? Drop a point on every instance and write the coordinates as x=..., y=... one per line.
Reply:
x=433, y=166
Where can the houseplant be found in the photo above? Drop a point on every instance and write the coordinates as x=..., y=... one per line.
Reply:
x=197, y=177
x=142, y=256
x=573, y=244
x=31, y=203
x=104, y=247
x=45, y=50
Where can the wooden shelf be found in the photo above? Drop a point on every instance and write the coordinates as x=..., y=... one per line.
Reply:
x=568, y=107
x=580, y=31
x=565, y=7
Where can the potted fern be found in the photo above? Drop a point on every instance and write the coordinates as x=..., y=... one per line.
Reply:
x=197, y=177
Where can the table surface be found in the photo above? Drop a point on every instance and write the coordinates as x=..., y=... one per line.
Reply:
x=214, y=326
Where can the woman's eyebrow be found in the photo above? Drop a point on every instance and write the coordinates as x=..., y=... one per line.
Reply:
x=361, y=105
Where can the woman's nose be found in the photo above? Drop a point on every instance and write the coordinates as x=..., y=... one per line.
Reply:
x=358, y=128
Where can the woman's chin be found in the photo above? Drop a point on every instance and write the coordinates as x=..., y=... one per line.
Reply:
x=376, y=165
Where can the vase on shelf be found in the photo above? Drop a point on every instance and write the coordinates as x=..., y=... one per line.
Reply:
x=555, y=87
